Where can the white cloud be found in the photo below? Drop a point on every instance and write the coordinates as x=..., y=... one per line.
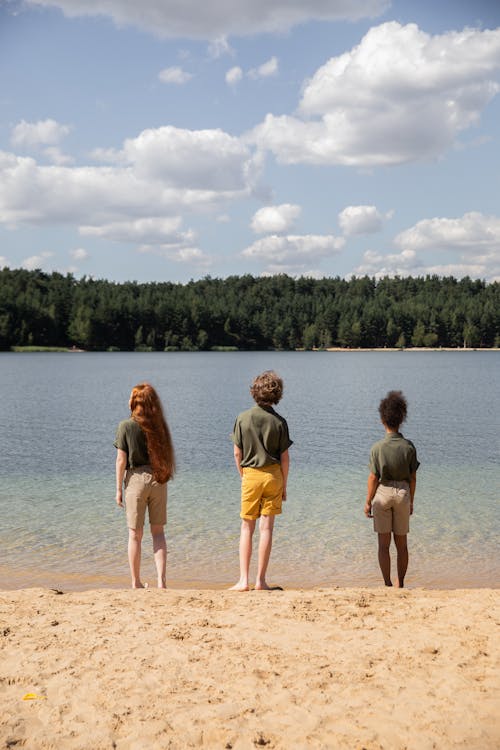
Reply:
x=160, y=236
x=79, y=254
x=234, y=75
x=296, y=271
x=148, y=231
x=192, y=255
x=360, y=220
x=472, y=240
x=3, y=261
x=379, y=265
x=400, y=95
x=179, y=254
x=56, y=156
x=473, y=233
x=160, y=173
x=293, y=252
x=218, y=18
x=174, y=75
x=219, y=47
x=108, y=156
x=267, y=69
x=275, y=219
x=407, y=263
x=36, y=261
x=488, y=270
x=44, y=132
x=199, y=159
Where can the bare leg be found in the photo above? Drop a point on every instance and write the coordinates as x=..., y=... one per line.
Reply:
x=247, y=529
x=384, y=558
x=402, y=548
x=134, y=556
x=266, y=526
x=160, y=553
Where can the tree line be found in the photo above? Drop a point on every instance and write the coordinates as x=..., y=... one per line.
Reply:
x=245, y=312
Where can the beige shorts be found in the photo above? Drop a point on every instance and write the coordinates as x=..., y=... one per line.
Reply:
x=141, y=492
x=261, y=492
x=391, y=508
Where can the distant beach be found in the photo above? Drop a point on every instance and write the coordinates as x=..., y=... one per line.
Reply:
x=220, y=349
x=335, y=668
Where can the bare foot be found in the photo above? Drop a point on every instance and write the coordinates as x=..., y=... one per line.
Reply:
x=239, y=587
x=140, y=586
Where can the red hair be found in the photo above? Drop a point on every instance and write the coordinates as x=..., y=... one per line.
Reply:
x=147, y=411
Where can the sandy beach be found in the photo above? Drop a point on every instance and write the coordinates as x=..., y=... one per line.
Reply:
x=325, y=668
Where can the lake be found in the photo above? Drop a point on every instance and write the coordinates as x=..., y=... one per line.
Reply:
x=62, y=528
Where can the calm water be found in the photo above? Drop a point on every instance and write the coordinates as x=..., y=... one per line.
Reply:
x=61, y=527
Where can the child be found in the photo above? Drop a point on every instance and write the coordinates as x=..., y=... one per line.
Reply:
x=145, y=461
x=391, y=486
x=261, y=443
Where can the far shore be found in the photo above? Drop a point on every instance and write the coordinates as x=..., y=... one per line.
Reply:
x=72, y=350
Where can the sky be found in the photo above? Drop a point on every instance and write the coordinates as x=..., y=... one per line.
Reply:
x=167, y=141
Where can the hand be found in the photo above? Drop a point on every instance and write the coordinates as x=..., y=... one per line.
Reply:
x=283, y=496
x=411, y=507
x=368, y=509
x=119, y=498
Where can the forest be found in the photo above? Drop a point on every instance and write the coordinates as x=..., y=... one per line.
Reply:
x=245, y=312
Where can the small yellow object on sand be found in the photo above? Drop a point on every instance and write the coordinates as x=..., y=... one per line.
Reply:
x=34, y=697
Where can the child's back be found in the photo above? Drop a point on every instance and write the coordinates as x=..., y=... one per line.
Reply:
x=261, y=443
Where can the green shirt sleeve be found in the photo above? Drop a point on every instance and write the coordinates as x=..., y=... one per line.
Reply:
x=285, y=441
x=373, y=464
x=236, y=436
x=414, y=463
x=121, y=438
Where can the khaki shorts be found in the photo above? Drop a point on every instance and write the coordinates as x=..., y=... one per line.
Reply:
x=391, y=508
x=261, y=492
x=141, y=492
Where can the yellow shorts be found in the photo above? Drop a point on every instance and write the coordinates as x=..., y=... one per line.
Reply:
x=261, y=492
x=143, y=491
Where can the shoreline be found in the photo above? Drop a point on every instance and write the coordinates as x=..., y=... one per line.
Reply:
x=217, y=350
x=344, y=668
x=13, y=580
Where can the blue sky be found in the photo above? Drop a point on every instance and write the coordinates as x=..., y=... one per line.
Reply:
x=169, y=141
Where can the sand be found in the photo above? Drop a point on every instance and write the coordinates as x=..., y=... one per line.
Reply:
x=324, y=668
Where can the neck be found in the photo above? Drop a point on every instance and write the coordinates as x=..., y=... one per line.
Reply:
x=391, y=430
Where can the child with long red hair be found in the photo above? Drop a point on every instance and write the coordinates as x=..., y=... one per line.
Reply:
x=145, y=461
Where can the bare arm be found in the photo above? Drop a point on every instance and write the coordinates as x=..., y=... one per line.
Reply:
x=121, y=466
x=285, y=466
x=373, y=483
x=413, y=484
x=238, y=455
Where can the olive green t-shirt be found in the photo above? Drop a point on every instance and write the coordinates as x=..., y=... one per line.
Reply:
x=262, y=435
x=131, y=439
x=393, y=458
